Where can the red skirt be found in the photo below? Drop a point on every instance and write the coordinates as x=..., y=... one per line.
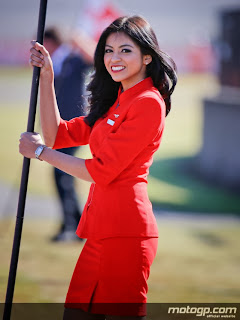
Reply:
x=111, y=275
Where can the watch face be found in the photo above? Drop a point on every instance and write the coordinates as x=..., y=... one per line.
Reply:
x=38, y=151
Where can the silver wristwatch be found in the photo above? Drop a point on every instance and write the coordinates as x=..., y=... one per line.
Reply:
x=39, y=151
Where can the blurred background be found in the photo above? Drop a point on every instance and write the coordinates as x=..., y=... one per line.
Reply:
x=194, y=182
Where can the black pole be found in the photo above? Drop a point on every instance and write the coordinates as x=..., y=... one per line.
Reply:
x=25, y=172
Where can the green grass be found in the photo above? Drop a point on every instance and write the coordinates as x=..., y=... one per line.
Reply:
x=197, y=261
x=174, y=187
x=207, y=257
x=171, y=185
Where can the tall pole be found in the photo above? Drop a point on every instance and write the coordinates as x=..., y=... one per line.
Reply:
x=25, y=173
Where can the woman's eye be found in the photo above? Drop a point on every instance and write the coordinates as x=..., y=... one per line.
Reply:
x=126, y=50
x=108, y=50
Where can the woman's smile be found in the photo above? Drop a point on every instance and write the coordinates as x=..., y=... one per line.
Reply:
x=117, y=68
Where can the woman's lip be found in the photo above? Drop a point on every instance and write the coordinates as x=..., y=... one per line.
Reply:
x=117, y=68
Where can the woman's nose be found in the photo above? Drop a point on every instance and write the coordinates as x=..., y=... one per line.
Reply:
x=115, y=57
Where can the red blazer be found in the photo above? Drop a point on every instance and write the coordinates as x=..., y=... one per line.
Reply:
x=122, y=144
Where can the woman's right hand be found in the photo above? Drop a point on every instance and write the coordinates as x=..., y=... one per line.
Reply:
x=41, y=58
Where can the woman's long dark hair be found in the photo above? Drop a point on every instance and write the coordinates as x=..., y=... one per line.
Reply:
x=103, y=89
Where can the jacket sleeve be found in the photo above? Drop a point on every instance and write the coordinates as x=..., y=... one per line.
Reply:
x=72, y=133
x=143, y=122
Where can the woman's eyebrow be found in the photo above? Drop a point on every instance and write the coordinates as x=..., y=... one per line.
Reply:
x=123, y=45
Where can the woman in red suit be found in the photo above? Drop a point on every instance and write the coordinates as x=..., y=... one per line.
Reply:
x=129, y=98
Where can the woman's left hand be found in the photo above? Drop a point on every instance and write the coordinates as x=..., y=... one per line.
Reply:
x=28, y=144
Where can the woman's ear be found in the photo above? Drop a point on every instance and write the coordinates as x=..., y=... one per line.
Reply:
x=147, y=59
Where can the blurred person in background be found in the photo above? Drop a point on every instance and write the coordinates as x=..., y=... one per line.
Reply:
x=130, y=96
x=70, y=69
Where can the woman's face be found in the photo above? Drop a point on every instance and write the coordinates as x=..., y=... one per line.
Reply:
x=124, y=61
